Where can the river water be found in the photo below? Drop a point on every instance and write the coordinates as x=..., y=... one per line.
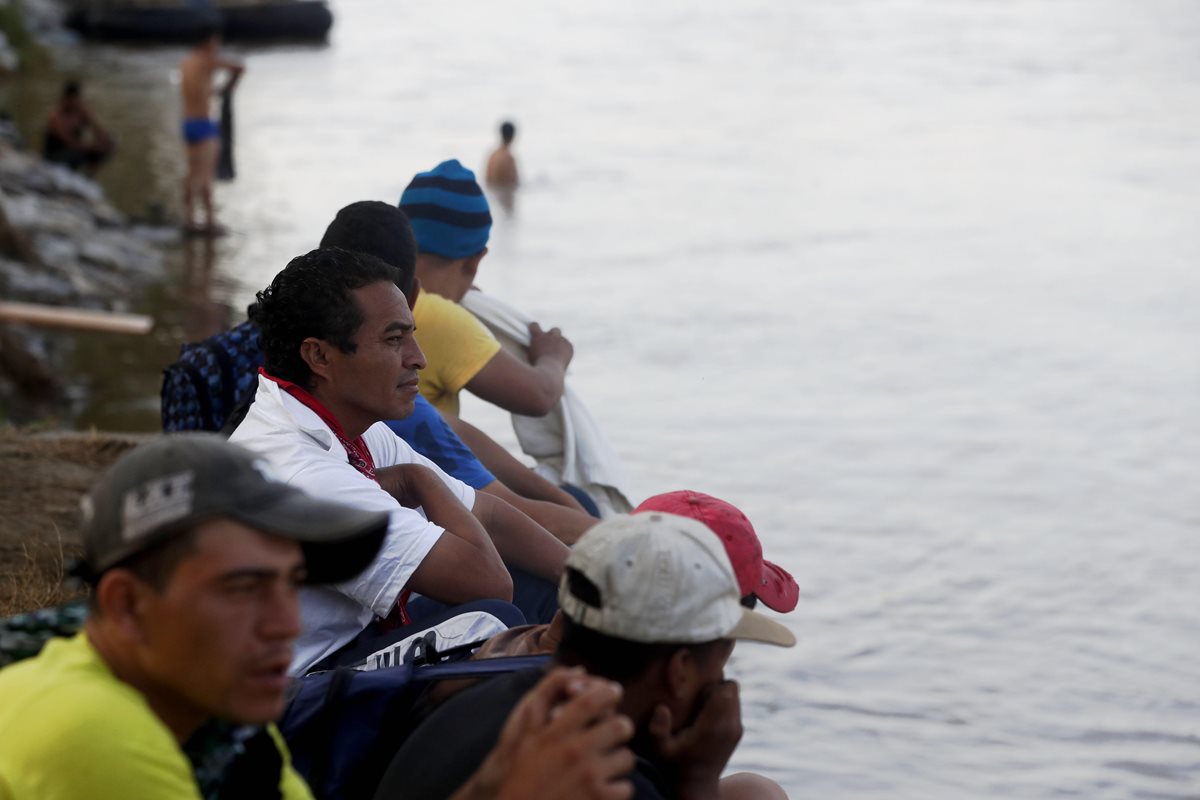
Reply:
x=913, y=282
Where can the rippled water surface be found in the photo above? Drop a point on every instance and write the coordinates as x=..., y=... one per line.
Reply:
x=914, y=282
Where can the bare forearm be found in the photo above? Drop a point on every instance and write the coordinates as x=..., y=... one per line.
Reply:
x=413, y=485
x=551, y=374
x=520, y=541
x=527, y=483
x=507, y=469
x=463, y=564
x=566, y=524
x=234, y=77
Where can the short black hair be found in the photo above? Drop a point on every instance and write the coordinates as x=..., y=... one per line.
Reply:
x=206, y=31
x=312, y=297
x=507, y=131
x=71, y=89
x=155, y=565
x=379, y=229
x=618, y=660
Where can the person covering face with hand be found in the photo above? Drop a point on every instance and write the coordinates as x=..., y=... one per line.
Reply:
x=651, y=602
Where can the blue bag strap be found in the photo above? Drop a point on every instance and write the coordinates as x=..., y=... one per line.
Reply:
x=228, y=385
x=326, y=723
x=478, y=669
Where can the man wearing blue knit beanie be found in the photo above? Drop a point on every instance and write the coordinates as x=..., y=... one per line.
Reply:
x=448, y=212
x=451, y=221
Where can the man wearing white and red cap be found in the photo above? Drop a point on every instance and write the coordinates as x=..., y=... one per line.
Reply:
x=649, y=601
x=757, y=578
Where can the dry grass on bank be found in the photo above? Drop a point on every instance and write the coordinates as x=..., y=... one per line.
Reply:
x=43, y=475
x=35, y=578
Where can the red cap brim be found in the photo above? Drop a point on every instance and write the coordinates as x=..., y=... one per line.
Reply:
x=778, y=589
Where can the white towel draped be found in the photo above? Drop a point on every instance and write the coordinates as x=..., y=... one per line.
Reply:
x=567, y=444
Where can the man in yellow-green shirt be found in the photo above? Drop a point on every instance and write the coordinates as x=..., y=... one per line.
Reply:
x=194, y=557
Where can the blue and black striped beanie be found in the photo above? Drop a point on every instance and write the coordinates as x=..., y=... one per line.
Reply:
x=448, y=211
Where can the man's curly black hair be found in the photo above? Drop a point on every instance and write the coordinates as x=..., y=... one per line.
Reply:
x=312, y=297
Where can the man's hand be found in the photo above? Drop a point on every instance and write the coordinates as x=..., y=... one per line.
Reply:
x=697, y=754
x=549, y=344
x=564, y=740
x=531, y=388
x=235, y=71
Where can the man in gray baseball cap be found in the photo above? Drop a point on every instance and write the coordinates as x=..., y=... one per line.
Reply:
x=171, y=484
x=194, y=556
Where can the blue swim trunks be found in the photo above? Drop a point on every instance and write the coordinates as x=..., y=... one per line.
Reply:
x=198, y=129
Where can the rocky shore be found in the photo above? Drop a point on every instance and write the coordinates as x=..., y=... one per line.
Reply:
x=61, y=243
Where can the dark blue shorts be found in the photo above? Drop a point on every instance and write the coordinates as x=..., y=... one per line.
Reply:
x=199, y=129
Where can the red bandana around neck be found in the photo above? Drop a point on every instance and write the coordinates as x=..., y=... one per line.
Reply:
x=360, y=458
x=356, y=451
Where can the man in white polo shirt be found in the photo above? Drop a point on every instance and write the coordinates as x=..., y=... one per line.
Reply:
x=337, y=335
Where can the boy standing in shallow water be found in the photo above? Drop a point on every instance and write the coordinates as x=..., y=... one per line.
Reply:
x=201, y=133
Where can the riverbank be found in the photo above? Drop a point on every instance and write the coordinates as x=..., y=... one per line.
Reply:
x=45, y=473
x=65, y=243
x=62, y=243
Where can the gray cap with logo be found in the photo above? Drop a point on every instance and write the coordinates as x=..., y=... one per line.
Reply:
x=177, y=481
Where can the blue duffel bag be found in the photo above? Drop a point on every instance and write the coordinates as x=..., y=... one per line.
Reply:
x=343, y=726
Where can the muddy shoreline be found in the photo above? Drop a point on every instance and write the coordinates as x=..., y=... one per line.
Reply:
x=62, y=243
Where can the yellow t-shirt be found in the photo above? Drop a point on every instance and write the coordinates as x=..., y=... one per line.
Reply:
x=69, y=729
x=456, y=347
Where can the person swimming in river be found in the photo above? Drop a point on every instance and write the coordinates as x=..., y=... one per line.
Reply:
x=201, y=133
x=501, y=166
x=73, y=136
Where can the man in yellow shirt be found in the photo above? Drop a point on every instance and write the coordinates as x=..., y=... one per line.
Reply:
x=450, y=218
x=194, y=559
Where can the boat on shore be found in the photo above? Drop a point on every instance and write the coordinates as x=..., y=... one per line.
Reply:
x=185, y=20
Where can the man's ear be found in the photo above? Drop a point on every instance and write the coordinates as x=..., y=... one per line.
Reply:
x=121, y=598
x=680, y=673
x=413, y=293
x=315, y=353
x=471, y=265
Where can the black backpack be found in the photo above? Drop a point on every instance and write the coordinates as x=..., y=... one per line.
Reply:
x=212, y=380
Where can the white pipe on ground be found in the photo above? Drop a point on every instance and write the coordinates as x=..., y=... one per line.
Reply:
x=56, y=317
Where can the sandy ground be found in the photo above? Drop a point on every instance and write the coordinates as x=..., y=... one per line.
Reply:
x=42, y=477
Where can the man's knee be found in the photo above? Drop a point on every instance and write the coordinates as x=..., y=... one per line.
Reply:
x=750, y=786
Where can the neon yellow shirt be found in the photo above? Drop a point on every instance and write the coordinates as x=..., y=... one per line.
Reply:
x=456, y=347
x=69, y=730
